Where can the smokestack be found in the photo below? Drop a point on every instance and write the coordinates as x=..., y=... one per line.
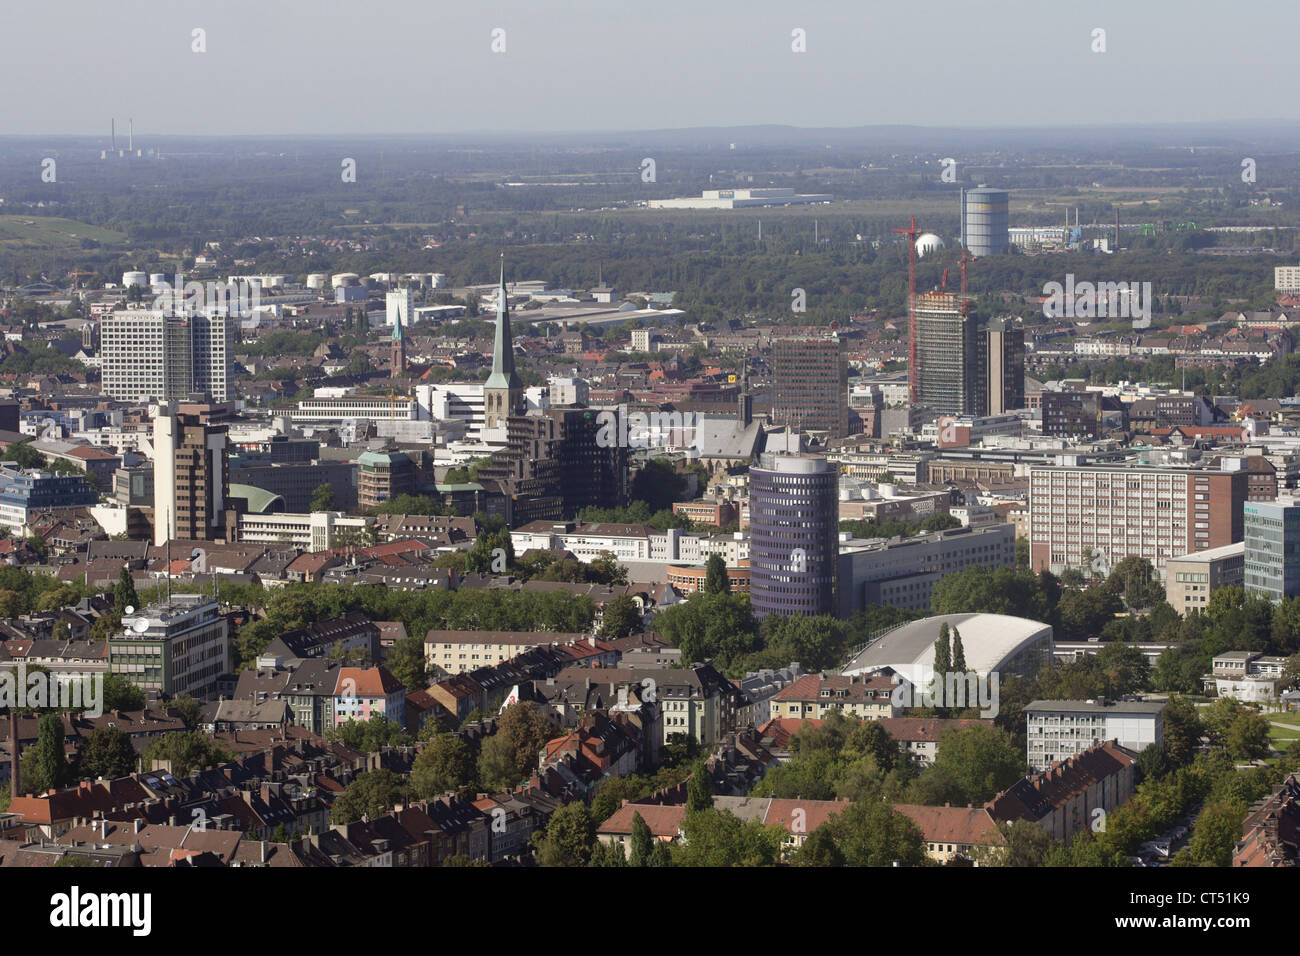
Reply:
x=130, y=135
x=113, y=128
x=13, y=752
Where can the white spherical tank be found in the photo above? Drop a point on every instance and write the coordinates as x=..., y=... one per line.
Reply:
x=140, y=279
x=927, y=243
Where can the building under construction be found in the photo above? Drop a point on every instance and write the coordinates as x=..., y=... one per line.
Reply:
x=949, y=376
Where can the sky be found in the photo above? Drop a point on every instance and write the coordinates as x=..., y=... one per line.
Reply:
x=427, y=66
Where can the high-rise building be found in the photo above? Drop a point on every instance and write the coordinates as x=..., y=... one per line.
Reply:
x=1005, y=346
x=1098, y=514
x=794, y=535
x=1071, y=414
x=951, y=379
x=191, y=475
x=984, y=220
x=384, y=475
x=178, y=646
x=810, y=384
x=503, y=392
x=399, y=307
x=150, y=355
x=557, y=463
x=1272, y=532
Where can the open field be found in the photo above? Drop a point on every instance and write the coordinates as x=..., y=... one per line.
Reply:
x=50, y=231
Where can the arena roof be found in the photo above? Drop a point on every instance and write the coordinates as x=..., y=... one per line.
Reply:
x=989, y=641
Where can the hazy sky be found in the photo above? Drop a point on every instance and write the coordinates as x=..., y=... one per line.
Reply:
x=426, y=66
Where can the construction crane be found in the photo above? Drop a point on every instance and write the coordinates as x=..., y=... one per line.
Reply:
x=76, y=278
x=913, y=381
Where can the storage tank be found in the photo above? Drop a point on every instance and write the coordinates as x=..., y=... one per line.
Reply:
x=343, y=278
x=437, y=280
x=984, y=220
x=316, y=280
x=887, y=490
x=158, y=279
x=927, y=243
x=140, y=279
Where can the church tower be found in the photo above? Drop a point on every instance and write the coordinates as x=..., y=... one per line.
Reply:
x=399, y=349
x=503, y=392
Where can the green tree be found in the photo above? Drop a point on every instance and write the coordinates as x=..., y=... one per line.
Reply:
x=569, y=838
x=874, y=834
x=445, y=764
x=121, y=694
x=406, y=661
x=371, y=794
x=699, y=789
x=124, y=593
x=642, y=842
x=107, y=753
x=47, y=768
x=496, y=764
x=971, y=766
x=1216, y=832
x=958, y=653
x=943, y=653
x=621, y=618
x=527, y=730
x=715, y=576
x=322, y=497
x=1247, y=736
x=187, y=751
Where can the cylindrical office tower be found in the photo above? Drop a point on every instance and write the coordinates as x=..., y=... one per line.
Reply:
x=984, y=220
x=793, y=535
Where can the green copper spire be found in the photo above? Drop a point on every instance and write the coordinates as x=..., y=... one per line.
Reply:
x=398, y=334
x=503, y=350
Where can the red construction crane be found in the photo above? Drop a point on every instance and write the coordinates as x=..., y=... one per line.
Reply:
x=912, y=379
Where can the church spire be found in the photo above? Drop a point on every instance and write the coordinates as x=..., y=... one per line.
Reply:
x=503, y=349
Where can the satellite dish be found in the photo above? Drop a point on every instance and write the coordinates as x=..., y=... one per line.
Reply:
x=140, y=625
x=129, y=609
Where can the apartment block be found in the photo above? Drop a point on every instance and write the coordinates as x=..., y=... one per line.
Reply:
x=1058, y=729
x=1098, y=514
x=1272, y=547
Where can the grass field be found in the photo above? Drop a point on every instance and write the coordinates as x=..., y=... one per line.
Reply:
x=50, y=231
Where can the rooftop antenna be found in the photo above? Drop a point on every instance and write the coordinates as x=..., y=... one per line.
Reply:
x=760, y=230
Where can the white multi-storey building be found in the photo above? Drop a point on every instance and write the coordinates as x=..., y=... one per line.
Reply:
x=1058, y=729
x=150, y=355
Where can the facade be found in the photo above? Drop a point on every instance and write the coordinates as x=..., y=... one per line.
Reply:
x=1099, y=514
x=315, y=531
x=1064, y=798
x=458, y=652
x=399, y=307
x=384, y=475
x=810, y=385
x=147, y=354
x=354, y=407
x=813, y=696
x=903, y=573
x=181, y=646
x=1245, y=675
x=1072, y=414
x=1006, y=365
x=794, y=535
x=950, y=378
x=1192, y=578
x=24, y=493
x=1057, y=729
x=191, y=475
x=1272, y=548
x=366, y=692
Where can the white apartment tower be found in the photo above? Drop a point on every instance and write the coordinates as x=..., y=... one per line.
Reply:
x=152, y=356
